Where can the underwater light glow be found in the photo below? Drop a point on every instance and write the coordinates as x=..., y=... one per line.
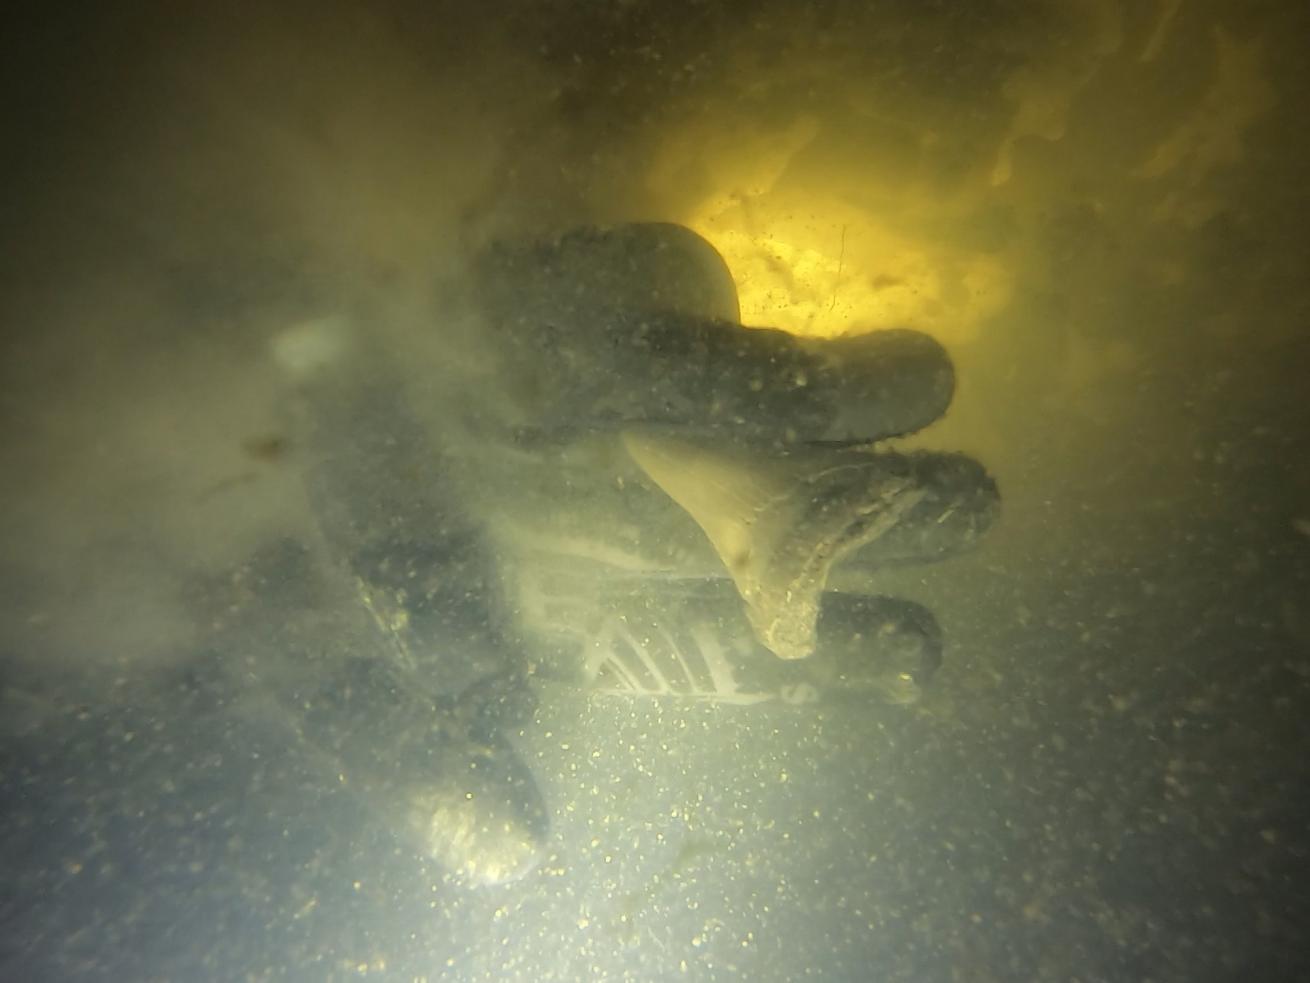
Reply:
x=826, y=269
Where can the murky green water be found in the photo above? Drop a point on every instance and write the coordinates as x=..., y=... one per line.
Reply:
x=1097, y=208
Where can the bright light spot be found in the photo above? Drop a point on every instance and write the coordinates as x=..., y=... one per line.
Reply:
x=847, y=274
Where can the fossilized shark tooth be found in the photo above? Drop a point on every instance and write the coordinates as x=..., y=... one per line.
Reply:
x=780, y=520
